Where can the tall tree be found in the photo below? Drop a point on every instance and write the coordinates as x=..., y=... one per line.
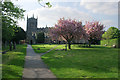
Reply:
x=10, y=14
x=94, y=30
x=68, y=29
x=20, y=34
x=111, y=33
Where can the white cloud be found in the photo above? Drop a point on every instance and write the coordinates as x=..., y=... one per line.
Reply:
x=49, y=16
x=101, y=0
x=108, y=8
x=109, y=23
x=73, y=0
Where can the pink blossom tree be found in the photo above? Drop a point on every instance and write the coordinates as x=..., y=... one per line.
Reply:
x=67, y=30
x=94, y=30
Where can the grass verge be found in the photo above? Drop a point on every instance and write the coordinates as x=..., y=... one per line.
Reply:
x=95, y=62
x=13, y=62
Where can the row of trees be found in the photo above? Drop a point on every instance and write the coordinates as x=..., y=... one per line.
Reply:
x=10, y=15
x=68, y=29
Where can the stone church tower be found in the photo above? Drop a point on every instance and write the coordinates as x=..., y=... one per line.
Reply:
x=31, y=30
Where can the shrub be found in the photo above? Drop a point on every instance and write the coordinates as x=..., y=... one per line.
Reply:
x=111, y=42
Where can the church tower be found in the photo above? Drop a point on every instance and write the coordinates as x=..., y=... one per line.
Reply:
x=31, y=30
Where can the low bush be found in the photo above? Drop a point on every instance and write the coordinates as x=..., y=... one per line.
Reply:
x=111, y=42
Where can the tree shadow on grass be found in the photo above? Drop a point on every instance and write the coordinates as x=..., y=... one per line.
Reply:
x=94, y=60
x=92, y=46
x=91, y=68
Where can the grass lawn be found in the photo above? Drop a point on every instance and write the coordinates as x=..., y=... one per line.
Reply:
x=43, y=47
x=13, y=62
x=95, y=62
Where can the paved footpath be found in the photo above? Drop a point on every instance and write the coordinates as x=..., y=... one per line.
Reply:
x=34, y=66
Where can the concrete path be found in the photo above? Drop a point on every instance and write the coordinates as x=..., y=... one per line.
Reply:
x=48, y=51
x=34, y=66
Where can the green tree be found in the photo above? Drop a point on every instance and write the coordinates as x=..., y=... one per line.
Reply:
x=20, y=34
x=40, y=37
x=111, y=33
x=10, y=14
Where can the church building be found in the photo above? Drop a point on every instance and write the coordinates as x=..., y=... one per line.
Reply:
x=32, y=30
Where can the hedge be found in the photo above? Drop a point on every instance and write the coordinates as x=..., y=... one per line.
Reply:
x=111, y=42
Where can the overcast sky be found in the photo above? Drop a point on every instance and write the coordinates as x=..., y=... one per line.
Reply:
x=82, y=10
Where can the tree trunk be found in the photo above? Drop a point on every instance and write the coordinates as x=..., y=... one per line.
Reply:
x=89, y=43
x=108, y=42
x=66, y=47
x=14, y=45
x=10, y=46
x=5, y=44
x=69, y=45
